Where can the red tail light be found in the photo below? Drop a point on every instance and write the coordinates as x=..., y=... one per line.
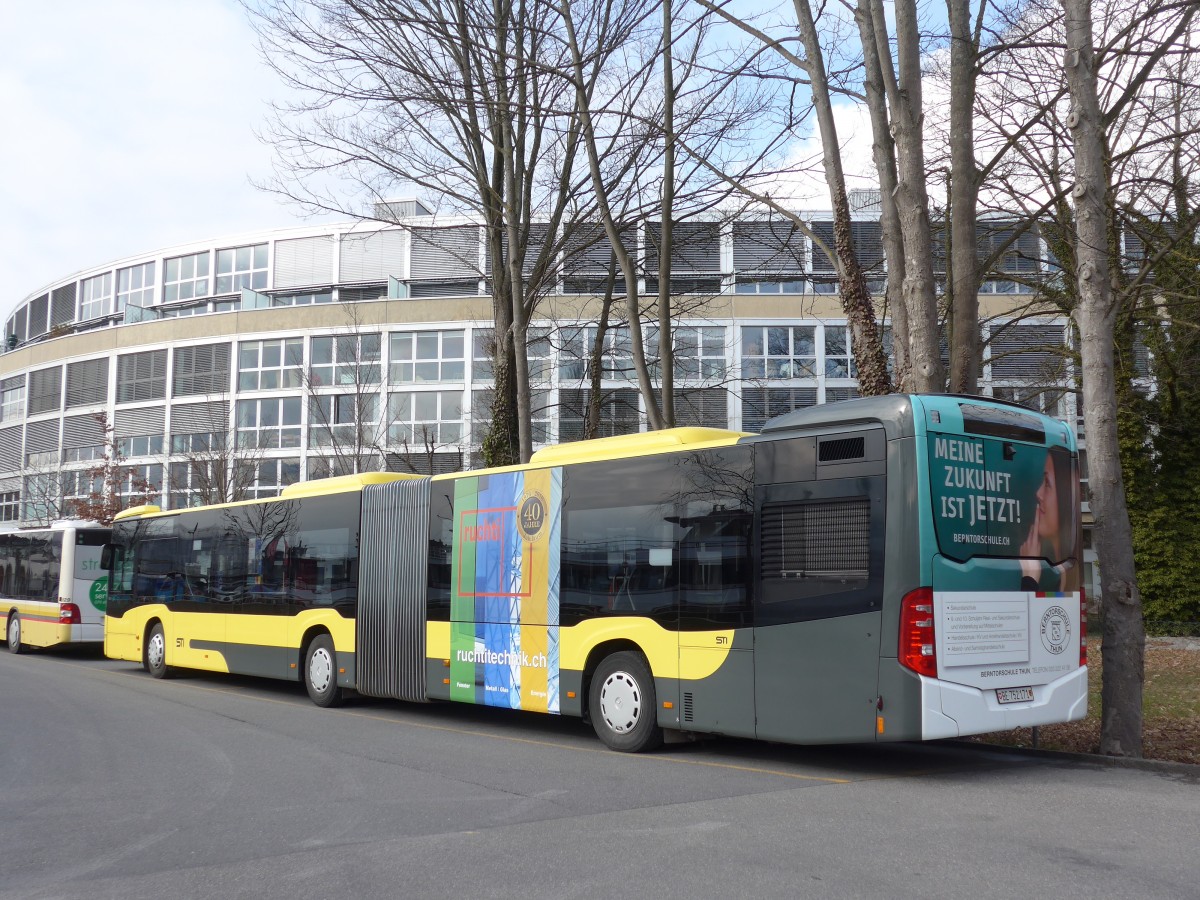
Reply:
x=1082, y=626
x=68, y=614
x=917, y=635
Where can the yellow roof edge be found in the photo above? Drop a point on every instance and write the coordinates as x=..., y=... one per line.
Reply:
x=340, y=484
x=641, y=444
x=147, y=509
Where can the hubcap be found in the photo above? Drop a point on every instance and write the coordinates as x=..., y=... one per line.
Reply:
x=320, y=670
x=156, y=651
x=620, y=702
x=14, y=631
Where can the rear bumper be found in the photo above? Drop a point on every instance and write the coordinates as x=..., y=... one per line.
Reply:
x=955, y=710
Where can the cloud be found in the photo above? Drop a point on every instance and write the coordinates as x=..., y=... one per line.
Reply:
x=130, y=128
x=804, y=188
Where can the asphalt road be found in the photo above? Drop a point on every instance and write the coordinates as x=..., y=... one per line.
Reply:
x=115, y=785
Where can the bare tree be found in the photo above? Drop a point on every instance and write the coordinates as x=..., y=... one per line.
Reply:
x=116, y=486
x=343, y=392
x=450, y=98
x=1124, y=636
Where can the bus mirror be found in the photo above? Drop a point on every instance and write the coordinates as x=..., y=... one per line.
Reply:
x=106, y=556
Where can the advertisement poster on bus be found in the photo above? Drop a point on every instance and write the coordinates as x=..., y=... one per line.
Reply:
x=1006, y=515
x=505, y=599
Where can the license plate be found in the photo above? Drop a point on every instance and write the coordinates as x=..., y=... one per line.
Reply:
x=1014, y=695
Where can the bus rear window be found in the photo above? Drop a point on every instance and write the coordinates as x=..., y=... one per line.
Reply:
x=998, y=498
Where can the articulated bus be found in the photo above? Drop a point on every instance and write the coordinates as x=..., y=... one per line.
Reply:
x=890, y=568
x=53, y=589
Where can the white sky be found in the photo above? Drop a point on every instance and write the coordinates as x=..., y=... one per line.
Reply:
x=128, y=126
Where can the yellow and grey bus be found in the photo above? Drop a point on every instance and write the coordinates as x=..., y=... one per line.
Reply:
x=53, y=589
x=892, y=568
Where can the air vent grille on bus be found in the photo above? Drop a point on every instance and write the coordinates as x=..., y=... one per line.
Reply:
x=687, y=706
x=840, y=449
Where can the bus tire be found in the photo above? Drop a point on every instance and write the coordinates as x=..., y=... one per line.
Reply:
x=622, y=704
x=320, y=672
x=154, y=659
x=14, y=633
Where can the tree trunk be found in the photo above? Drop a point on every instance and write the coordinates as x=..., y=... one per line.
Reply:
x=964, y=201
x=903, y=84
x=883, y=150
x=666, y=362
x=1124, y=634
x=852, y=283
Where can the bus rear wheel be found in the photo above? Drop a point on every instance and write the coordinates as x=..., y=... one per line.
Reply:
x=14, y=633
x=155, y=658
x=622, y=704
x=320, y=672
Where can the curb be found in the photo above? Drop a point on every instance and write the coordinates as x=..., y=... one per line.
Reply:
x=1112, y=762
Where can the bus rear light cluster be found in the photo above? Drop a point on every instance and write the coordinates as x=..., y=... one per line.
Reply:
x=917, y=634
x=68, y=614
x=1082, y=627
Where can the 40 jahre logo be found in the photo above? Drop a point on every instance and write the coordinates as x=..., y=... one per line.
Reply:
x=1056, y=629
x=532, y=516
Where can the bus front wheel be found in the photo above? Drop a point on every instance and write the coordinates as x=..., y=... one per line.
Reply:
x=320, y=672
x=14, y=633
x=622, y=704
x=155, y=660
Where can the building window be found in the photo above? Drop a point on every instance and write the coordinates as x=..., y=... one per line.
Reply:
x=141, y=483
x=12, y=399
x=189, y=483
x=619, y=413
x=142, y=376
x=182, y=312
x=838, y=361
x=270, y=365
x=185, y=277
x=45, y=390
x=759, y=405
x=425, y=419
x=345, y=360
x=241, y=267
x=540, y=353
x=95, y=298
x=87, y=382
x=772, y=286
x=302, y=299
x=426, y=357
x=82, y=485
x=10, y=506
x=37, y=459
x=699, y=352
x=779, y=352
x=266, y=477
x=268, y=424
x=201, y=370
x=343, y=420
x=71, y=454
x=140, y=445
x=136, y=285
x=616, y=359
x=198, y=442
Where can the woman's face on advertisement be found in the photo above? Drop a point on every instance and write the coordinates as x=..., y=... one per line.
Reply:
x=1047, y=502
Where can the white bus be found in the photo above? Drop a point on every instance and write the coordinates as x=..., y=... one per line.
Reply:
x=52, y=587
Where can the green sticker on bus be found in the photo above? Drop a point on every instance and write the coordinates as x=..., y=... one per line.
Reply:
x=98, y=593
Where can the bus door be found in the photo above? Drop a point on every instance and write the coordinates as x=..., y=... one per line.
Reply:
x=89, y=582
x=818, y=597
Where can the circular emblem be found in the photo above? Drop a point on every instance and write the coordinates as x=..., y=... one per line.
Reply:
x=1056, y=629
x=98, y=593
x=532, y=516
